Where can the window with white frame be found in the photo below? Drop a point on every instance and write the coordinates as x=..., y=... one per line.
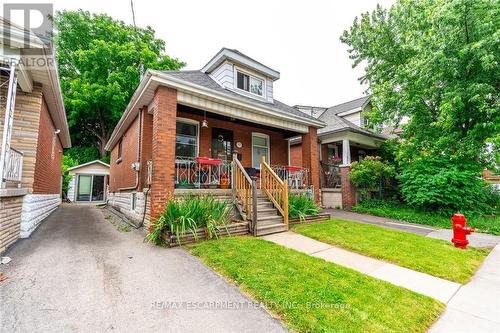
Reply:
x=249, y=83
x=186, y=138
x=260, y=147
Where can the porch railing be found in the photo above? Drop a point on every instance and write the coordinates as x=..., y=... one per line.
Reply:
x=245, y=193
x=196, y=173
x=296, y=177
x=330, y=175
x=275, y=188
x=13, y=170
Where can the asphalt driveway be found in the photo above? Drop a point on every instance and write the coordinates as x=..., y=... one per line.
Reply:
x=79, y=273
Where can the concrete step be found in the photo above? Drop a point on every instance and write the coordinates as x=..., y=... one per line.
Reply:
x=271, y=229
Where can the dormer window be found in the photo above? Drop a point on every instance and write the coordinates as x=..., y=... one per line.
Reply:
x=250, y=83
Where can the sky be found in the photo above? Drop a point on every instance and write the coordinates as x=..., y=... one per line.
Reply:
x=300, y=39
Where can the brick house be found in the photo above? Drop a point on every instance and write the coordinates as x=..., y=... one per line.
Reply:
x=210, y=130
x=346, y=138
x=33, y=130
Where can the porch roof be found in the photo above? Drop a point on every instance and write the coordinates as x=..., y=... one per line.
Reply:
x=197, y=89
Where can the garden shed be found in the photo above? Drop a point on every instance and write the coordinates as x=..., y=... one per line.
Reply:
x=89, y=182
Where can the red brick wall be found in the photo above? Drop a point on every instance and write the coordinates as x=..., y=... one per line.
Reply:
x=310, y=158
x=296, y=155
x=121, y=174
x=47, y=176
x=163, y=148
x=348, y=190
x=243, y=134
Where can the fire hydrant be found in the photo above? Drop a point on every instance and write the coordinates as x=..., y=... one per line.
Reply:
x=460, y=231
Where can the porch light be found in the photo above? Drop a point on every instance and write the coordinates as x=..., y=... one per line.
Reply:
x=204, y=123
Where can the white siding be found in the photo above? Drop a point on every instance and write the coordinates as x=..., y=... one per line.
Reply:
x=269, y=92
x=354, y=118
x=71, y=189
x=92, y=169
x=224, y=75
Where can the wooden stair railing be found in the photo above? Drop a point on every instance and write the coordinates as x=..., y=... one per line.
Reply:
x=275, y=188
x=245, y=194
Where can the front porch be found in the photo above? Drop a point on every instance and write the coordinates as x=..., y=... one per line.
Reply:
x=337, y=151
x=206, y=143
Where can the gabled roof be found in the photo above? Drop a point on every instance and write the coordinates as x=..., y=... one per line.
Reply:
x=204, y=80
x=356, y=104
x=242, y=59
x=87, y=164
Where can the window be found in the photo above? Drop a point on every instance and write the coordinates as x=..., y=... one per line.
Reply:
x=366, y=121
x=186, y=139
x=119, y=151
x=260, y=147
x=250, y=83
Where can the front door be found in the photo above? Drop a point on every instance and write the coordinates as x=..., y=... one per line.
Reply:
x=222, y=144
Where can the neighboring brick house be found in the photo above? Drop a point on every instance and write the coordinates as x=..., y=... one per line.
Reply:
x=33, y=130
x=346, y=138
x=182, y=130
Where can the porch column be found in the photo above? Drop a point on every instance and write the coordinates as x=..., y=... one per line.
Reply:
x=163, y=148
x=310, y=158
x=346, y=152
x=348, y=190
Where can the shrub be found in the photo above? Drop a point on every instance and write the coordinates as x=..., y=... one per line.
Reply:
x=187, y=215
x=300, y=206
x=435, y=183
x=369, y=174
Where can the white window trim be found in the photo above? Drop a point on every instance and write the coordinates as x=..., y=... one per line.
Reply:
x=262, y=135
x=191, y=122
x=77, y=185
x=250, y=74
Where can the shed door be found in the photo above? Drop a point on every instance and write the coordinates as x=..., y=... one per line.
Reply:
x=84, y=187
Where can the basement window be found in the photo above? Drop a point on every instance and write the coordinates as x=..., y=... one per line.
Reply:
x=133, y=202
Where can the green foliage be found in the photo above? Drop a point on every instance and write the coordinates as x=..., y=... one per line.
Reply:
x=435, y=64
x=67, y=162
x=312, y=295
x=427, y=255
x=395, y=210
x=188, y=214
x=436, y=183
x=300, y=206
x=369, y=174
x=82, y=154
x=99, y=62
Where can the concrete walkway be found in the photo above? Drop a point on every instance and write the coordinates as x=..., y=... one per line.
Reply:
x=422, y=283
x=476, y=306
x=476, y=239
x=77, y=273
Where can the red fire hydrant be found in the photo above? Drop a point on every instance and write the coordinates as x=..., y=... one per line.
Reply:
x=460, y=231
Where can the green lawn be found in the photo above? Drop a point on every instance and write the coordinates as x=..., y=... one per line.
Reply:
x=311, y=295
x=432, y=256
x=490, y=225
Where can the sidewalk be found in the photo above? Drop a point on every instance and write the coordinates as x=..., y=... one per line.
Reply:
x=422, y=283
x=476, y=306
x=476, y=239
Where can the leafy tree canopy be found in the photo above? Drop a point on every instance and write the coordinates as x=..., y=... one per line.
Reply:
x=434, y=62
x=100, y=61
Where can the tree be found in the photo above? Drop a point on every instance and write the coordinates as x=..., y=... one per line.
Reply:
x=100, y=62
x=435, y=64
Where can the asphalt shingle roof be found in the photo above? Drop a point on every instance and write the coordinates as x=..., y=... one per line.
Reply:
x=202, y=79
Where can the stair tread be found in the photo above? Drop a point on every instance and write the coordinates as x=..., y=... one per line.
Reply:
x=269, y=217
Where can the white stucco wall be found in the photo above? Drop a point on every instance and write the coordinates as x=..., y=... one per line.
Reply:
x=36, y=207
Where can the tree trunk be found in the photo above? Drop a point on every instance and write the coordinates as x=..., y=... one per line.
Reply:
x=102, y=151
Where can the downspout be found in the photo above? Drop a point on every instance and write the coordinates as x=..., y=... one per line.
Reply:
x=138, y=157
